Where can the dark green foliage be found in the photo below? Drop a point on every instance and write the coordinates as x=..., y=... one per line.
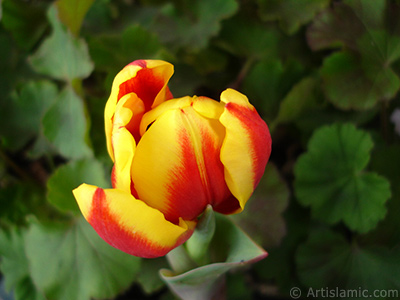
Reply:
x=323, y=74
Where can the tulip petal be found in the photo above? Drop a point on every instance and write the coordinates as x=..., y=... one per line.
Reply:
x=156, y=112
x=176, y=167
x=147, y=79
x=129, y=224
x=123, y=142
x=247, y=146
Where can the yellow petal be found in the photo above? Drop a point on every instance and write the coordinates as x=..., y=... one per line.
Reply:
x=247, y=145
x=177, y=168
x=123, y=143
x=156, y=112
x=146, y=78
x=129, y=224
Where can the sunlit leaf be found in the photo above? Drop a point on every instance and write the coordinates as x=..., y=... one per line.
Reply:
x=61, y=56
x=291, y=14
x=330, y=177
x=65, y=125
x=70, y=176
x=70, y=261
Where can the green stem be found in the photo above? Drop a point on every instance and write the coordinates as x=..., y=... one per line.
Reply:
x=180, y=261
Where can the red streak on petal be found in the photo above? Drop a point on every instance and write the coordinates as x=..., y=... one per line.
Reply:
x=214, y=172
x=107, y=226
x=186, y=196
x=259, y=135
x=113, y=178
x=146, y=85
x=199, y=180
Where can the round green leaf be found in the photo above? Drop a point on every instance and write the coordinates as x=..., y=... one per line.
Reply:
x=14, y=266
x=290, y=13
x=70, y=261
x=61, y=56
x=20, y=117
x=69, y=177
x=342, y=68
x=192, y=25
x=65, y=125
x=331, y=179
x=327, y=260
x=73, y=12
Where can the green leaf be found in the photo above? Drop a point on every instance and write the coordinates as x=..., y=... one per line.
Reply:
x=331, y=179
x=139, y=43
x=149, y=278
x=301, y=98
x=61, y=56
x=65, y=125
x=12, y=66
x=70, y=176
x=379, y=48
x=73, y=12
x=197, y=245
x=230, y=249
x=279, y=266
x=370, y=12
x=262, y=217
x=267, y=83
x=193, y=23
x=335, y=27
x=14, y=266
x=291, y=13
x=25, y=20
x=249, y=38
x=21, y=115
x=327, y=260
x=78, y=263
x=385, y=160
x=345, y=23
x=341, y=68
x=19, y=200
x=111, y=52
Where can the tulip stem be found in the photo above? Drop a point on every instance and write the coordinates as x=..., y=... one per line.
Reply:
x=198, y=245
x=180, y=261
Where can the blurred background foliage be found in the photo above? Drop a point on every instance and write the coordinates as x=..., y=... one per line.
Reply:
x=323, y=74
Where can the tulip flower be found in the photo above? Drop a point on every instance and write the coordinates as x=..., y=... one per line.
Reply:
x=172, y=158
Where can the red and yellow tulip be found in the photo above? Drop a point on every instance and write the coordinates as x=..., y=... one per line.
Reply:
x=172, y=157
